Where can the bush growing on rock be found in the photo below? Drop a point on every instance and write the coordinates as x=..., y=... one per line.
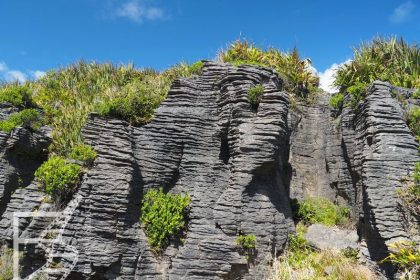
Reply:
x=297, y=73
x=29, y=118
x=392, y=60
x=406, y=256
x=16, y=94
x=164, y=216
x=69, y=94
x=413, y=120
x=58, y=178
x=83, y=153
x=336, y=100
x=321, y=210
x=247, y=244
x=255, y=94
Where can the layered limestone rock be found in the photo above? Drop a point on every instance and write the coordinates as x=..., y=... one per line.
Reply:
x=239, y=163
x=205, y=140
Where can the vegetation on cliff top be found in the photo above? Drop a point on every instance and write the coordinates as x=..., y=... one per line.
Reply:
x=296, y=72
x=392, y=60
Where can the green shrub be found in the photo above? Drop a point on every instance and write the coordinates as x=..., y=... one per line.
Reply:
x=296, y=72
x=416, y=94
x=17, y=94
x=247, y=244
x=84, y=153
x=163, y=216
x=336, y=100
x=255, y=94
x=351, y=253
x=416, y=173
x=58, y=178
x=406, y=256
x=29, y=118
x=357, y=93
x=391, y=60
x=321, y=210
x=413, y=120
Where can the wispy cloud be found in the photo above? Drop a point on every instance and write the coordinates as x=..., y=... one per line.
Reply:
x=326, y=78
x=402, y=13
x=139, y=11
x=16, y=75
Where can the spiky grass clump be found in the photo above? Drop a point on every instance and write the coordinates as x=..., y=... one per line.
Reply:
x=321, y=210
x=392, y=60
x=300, y=261
x=299, y=79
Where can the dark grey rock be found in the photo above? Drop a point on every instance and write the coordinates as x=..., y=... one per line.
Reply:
x=331, y=238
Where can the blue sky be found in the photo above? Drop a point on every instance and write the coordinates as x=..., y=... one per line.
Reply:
x=37, y=35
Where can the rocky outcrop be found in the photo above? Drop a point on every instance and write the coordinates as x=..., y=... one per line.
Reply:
x=239, y=163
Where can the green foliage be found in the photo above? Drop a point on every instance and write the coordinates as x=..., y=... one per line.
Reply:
x=416, y=94
x=29, y=118
x=299, y=79
x=416, y=173
x=17, y=94
x=58, y=177
x=413, y=120
x=391, y=60
x=255, y=94
x=69, y=94
x=351, y=253
x=405, y=255
x=84, y=153
x=321, y=210
x=247, y=244
x=301, y=261
x=336, y=100
x=163, y=216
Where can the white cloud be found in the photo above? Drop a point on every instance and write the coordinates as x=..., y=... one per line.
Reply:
x=38, y=74
x=3, y=66
x=138, y=11
x=15, y=75
x=402, y=13
x=326, y=78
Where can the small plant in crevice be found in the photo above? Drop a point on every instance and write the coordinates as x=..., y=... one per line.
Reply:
x=83, y=153
x=58, y=177
x=410, y=194
x=247, y=245
x=255, y=95
x=320, y=210
x=336, y=101
x=28, y=118
x=406, y=256
x=413, y=120
x=164, y=216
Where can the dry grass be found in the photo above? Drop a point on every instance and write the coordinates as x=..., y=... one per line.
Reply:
x=322, y=265
x=6, y=263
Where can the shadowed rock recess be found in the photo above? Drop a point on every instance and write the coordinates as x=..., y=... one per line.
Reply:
x=239, y=164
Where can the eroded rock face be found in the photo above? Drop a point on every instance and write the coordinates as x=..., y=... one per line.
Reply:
x=239, y=164
x=205, y=140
